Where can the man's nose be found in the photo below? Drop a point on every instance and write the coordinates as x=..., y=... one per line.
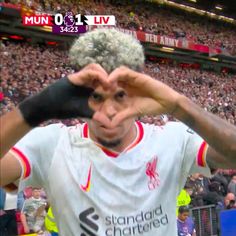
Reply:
x=109, y=108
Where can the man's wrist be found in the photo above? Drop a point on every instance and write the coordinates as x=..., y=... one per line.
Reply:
x=32, y=111
x=183, y=105
x=61, y=100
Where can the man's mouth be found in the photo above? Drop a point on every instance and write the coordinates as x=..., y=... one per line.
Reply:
x=108, y=130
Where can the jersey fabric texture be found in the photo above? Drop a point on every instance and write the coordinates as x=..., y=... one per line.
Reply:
x=95, y=191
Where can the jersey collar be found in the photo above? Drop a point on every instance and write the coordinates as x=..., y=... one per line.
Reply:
x=112, y=153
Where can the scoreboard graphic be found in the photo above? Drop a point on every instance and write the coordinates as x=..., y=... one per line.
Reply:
x=68, y=23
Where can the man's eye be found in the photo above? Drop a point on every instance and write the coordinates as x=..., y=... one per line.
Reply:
x=121, y=95
x=96, y=97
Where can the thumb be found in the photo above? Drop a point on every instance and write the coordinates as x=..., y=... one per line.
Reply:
x=123, y=115
x=102, y=119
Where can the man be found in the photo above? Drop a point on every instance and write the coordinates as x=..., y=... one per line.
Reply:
x=185, y=223
x=227, y=204
x=50, y=223
x=184, y=197
x=112, y=175
x=220, y=179
x=8, y=205
x=33, y=213
x=232, y=185
x=229, y=201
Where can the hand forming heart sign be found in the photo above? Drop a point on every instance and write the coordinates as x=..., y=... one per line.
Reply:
x=144, y=94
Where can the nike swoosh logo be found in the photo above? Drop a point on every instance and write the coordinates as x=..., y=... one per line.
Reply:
x=86, y=187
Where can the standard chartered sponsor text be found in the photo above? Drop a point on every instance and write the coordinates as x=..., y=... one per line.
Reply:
x=141, y=223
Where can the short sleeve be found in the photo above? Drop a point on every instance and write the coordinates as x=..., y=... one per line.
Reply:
x=194, y=156
x=26, y=206
x=35, y=152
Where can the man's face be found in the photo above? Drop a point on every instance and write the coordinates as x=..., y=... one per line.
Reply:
x=234, y=179
x=229, y=197
x=109, y=103
x=183, y=216
x=189, y=191
x=195, y=175
x=36, y=193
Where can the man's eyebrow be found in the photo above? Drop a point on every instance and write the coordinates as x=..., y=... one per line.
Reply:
x=96, y=93
x=120, y=90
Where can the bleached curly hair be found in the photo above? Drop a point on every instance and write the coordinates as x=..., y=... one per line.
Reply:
x=108, y=47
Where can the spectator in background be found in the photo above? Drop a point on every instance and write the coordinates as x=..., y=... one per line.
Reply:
x=229, y=201
x=185, y=223
x=200, y=186
x=8, y=205
x=27, y=192
x=1, y=95
x=232, y=185
x=184, y=197
x=219, y=178
x=33, y=213
x=50, y=223
x=196, y=194
x=20, y=200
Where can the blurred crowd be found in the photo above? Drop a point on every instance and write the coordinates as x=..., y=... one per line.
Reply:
x=214, y=92
x=29, y=211
x=219, y=190
x=25, y=212
x=207, y=198
x=26, y=69
x=150, y=18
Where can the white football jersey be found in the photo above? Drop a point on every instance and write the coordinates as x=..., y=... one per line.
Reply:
x=95, y=191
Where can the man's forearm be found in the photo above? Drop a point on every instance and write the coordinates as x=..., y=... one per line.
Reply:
x=23, y=219
x=218, y=133
x=12, y=128
x=24, y=222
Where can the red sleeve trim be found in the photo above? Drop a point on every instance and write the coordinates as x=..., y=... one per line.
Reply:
x=201, y=156
x=139, y=135
x=24, y=161
x=85, y=130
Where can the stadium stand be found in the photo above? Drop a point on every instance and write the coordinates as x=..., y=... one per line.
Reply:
x=215, y=92
x=26, y=68
x=142, y=16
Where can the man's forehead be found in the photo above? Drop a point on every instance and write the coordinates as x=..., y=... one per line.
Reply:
x=108, y=92
x=231, y=196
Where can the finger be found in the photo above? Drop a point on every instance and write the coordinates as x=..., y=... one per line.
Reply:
x=121, y=74
x=126, y=77
x=94, y=66
x=122, y=116
x=101, y=71
x=120, y=78
x=90, y=78
x=94, y=78
x=102, y=119
x=94, y=72
x=131, y=90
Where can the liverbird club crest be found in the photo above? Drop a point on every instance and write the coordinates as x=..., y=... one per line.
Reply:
x=152, y=174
